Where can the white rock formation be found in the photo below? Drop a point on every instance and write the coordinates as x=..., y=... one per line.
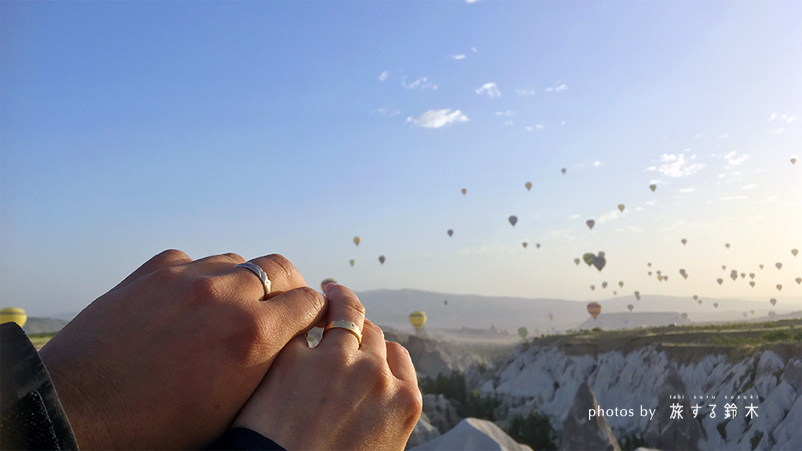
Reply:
x=472, y=434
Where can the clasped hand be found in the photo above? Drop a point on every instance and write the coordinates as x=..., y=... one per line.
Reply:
x=180, y=350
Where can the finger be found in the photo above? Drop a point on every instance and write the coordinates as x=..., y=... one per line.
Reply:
x=290, y=314
x=400, y=362
x=165, y=259
x=344, y=306
x=373, y=340
x=282, y=274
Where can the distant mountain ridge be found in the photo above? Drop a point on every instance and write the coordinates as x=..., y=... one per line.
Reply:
x=392, y=308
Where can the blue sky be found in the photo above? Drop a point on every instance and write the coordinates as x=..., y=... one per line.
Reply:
x=256, y=127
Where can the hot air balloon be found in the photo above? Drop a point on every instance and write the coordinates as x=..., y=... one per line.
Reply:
x=658, y=272
x=576, y=260
x=326, y=282
x=599, y=261
x=594, y=309
x=724, y=267
x=684, y=241
x=357, y=240
x=772, y=315
x=551, y=317
x=650, y=273
x=637, y=295
x=715, y=304
x=381, y=259
x=417, y=319
x=524, y=244
x=684, y=315
x=683, y=273
x=773, y=301
x=615, y=292
x=660, y=278
x=621, y=207
x=562, y=170
x=352, y=261
x=464, y=191
x=752, y=311
x=604, y=284
x=450, y=232
x=652, y=187
x=779, y=265
x=751, y=275
x=513, y=219
x=528, y=185
x=794, y=251
x=592, y=287
x=620, y=284
x=13, y=315
x=445, y=301
x=523, y=332
x=720, y=280
x=743, y=275
x=630, y=307
x=798, y=280
x=761, y=266
x=734, y=274
x=695, y=297
x=537, y=245
x=588, y=258
x=752, y=283
x=590, y=223
x=779, y=287
x=793, y=160
x=649, y=265
x=727, y=245
x=699, y=301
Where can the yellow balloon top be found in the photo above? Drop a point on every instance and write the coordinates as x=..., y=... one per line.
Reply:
x=13, y=315
x=418, y=319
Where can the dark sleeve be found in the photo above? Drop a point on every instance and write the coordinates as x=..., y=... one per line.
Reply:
x=242, y=439
x=31, y=416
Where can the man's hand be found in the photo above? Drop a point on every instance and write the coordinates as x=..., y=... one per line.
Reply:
x=168, y=357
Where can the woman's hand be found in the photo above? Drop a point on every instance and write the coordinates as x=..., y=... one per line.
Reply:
x=338, y=395
x=168, y=357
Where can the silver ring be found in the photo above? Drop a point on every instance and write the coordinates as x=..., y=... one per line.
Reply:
x=260, y=273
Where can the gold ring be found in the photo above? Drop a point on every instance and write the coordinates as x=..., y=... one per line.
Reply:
x=350, y=327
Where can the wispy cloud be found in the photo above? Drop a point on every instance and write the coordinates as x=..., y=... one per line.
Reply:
x=497, y=250
x=597, y=163
x=776, y=131
x=471, y=1
x=528, y=128
x=421, y=83
x=509, y=123
x=562, y=234
x=724, y=136
x=438, y=118
x=525, y=92
x=474, y=50
x=687, y=190
x=630, y=229
x=388, y=112
x=559, y=86
x=733, y=159
x=490, y=88
x=699, y=135
x=781, y=118
x=614, y=214
x=508, y=113
x=749, y=186
x=678, y=166
x=540, y=126
x=384, y=75
x=574, y=217
x=458, y=57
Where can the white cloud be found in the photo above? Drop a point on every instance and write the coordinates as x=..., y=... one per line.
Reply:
x=473, y=49
x=540, y=126
x=609, y=216
x=788, y=119
x=772, y=117
x=750, y=186
x=724, y=136
x=630, y=229
x=687, y=190
x=422, y=83
x=497, y=250
x=529, y=129
x=508, y=113
x=574, y=217
x=776, y=131
x=438, y=118
x=491, y=89
x=558, y=87
x=458, y=57
x=733, y=159
x=782, y=118
x=508, y=123
x=562, y=234
x=388, y=112
x=525, y=92
x=471, y=1
x=677, y=166
x=650, y=168
x=699, y=135
x=597, y=163
x=384, y=75
x=656, y=182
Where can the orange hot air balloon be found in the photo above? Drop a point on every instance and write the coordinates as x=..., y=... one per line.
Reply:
x=464, y=191
x=594, y=309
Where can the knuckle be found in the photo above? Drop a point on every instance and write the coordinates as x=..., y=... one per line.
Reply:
x=410, y=401
x=284, y=265
x=167, y=276
x=204, y=288
x=171, y=255
x=399, y=348
x=234, y=256
x=314, y=301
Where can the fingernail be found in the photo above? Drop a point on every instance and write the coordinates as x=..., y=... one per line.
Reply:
x=329, y=287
